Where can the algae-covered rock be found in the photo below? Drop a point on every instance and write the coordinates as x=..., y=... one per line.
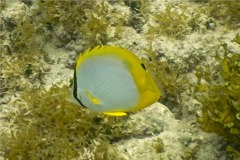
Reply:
x=40, y=40
x=220, y=98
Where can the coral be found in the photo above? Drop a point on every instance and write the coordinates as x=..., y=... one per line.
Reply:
x=220, y=100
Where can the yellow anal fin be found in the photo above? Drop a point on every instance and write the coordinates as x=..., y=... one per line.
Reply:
x=115, y=113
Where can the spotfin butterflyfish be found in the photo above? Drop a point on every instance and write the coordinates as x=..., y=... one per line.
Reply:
x=113, y=81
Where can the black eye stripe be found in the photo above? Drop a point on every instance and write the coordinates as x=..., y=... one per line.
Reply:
x=75, y=89
x=143, y=66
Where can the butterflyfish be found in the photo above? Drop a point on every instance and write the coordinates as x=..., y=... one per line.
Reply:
x=113, y=81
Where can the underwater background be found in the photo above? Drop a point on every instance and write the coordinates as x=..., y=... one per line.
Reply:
x=192, y=47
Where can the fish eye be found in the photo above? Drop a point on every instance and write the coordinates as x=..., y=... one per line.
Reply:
x=143, y=66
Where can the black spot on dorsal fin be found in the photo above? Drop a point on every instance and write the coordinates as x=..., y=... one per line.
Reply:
x=143, y=66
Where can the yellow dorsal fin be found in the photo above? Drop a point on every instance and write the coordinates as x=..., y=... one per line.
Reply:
x=111, y=50
x=115, y=113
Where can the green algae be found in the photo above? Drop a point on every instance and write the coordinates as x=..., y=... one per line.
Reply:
x=158, y=145
x=227, y=12
x=49, y=127
x=167, y=76
x=220, y=100
x=46, y=126
x=172, y=22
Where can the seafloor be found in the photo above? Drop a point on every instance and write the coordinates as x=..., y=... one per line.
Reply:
x=40, y=40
